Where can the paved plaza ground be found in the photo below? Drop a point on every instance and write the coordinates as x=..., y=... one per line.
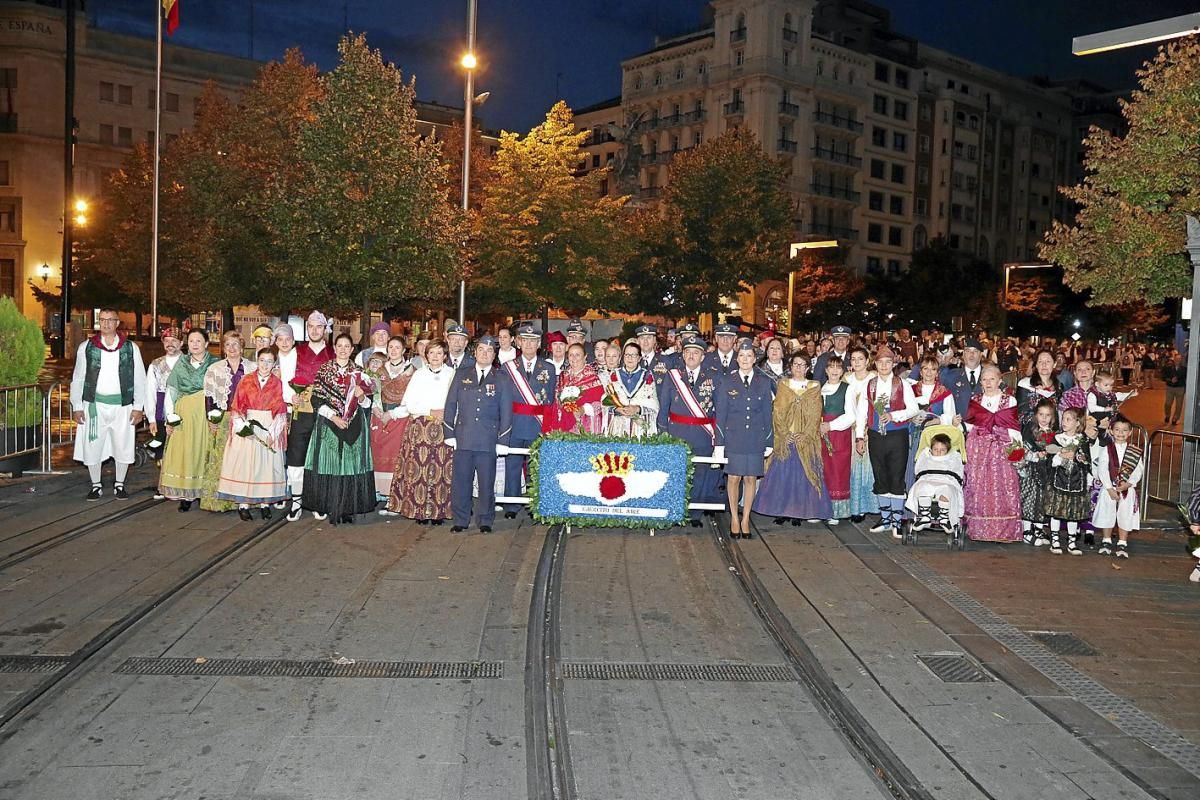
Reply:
x=797, y=664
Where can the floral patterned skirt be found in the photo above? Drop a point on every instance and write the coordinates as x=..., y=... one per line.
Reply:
x=424, y=466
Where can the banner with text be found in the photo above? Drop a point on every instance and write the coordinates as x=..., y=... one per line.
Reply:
x=610, y=482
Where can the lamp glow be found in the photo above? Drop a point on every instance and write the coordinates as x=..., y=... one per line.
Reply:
x=469, y=61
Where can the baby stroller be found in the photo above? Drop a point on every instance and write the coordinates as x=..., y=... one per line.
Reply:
x=936, y=497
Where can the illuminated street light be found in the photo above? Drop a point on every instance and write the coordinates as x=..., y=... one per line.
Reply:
x=469, y=61
x=81, y=205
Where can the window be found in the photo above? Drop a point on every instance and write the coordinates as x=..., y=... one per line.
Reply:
x=8, y=277
x=1035, y=169
x=949, y=84
x=604, y=187
x=8, y=91
x=124, y=94
x=900, y=142
x=956, y=212
x=893, y=266
x=881, y=72
x=898, y=173
x=960, y=117
x=106, y=134
x=4, y=173
x=878, y=169
x=881, y=104
x=9, y=217
x=171, y=102
x=895, y=236
x=596, y=161
x=1045, y=197
x=107, y=92
x=900, y=110
x=124, y=137
x=637, y=83
x=924, y=143
x=787, y=58
x=973, y=152
x=679, y=72
x=697, y=139
x=820, y=66
x=920, y=237
x=973, y=122
x=874, y=265
x=926, y=112
x=954, y=241
x=875, y=201
x=875, y=233
x=923, y=176
x=941, y=210
x=701, y=68
x=739, y=58
x=922, y=207
x=658, y=79
x=901, y=78
x=896, y=205
x=879, y=136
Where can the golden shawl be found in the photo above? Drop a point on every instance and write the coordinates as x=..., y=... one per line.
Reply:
x=797, y=420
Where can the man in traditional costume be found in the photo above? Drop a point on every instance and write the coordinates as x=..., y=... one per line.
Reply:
x=156, y=388
x=534, y=382
x=108, y=388
x=310, y=357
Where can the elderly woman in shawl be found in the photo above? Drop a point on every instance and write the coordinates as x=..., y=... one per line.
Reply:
x=188, y=437
x=794, y=486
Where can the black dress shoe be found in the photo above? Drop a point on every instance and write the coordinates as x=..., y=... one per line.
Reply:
x=120, y=493
x=244, y=513
x=796, y=523
x=185, y=505
x=422, y=522
x=457, y=529
x=780, y=520
x=696, y=523
x=747, y=535
x=485, y=528
x=857, y=517
x=435, y=522
x=510, y=515
x=265, y=512
x=348, y=519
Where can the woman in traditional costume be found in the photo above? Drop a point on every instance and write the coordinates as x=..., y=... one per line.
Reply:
x=837, y=428
x=337, y=471
x=631, y=395
x=424, y=464
x=862, y=476
x=794, y=486
x=188, y=437
x=220, y=383
x=992, y=495
x=389, y=417
x=772, y=364
x=1042, y=384
x=577, y=407
x=253, y=469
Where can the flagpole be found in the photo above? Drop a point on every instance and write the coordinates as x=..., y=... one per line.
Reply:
x=158, y=16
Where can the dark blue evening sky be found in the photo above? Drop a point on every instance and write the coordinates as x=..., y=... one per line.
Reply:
x=536, y=50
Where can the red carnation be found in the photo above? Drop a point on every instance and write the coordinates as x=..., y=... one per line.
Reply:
x=1016, y=454
x=612, y=487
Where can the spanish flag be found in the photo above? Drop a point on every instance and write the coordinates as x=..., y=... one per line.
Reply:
x=171, y=12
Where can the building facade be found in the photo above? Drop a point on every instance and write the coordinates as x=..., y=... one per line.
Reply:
x=887, y=143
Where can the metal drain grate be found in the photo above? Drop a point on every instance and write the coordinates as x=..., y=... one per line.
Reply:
x=279, y=668
x=1064, y=643
x=954, y=668
x=744, y=673
x=32, y=663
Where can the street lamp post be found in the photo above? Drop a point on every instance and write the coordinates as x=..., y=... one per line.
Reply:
x=796, y=249
x=469, y=62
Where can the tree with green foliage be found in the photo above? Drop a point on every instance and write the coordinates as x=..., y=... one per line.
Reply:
x=362, y=220
x=824, y=290
x=1127, y=242
x=723, y=226
x=547, y=238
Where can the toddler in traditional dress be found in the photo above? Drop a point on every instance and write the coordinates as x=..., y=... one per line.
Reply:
x=1102, y=401
x=1034, y=474
x=1067, y=497
x=1119, y=466
x=936, y=496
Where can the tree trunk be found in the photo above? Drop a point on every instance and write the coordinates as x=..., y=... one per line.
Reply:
x=227, y=319
x=137, y=323
x=546, y=320
x=364, y=322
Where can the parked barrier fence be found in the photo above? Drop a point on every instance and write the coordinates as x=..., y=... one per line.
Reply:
x=1172, y=469
x=34, y=420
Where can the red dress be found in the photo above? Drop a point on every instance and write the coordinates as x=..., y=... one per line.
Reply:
x=569, y=414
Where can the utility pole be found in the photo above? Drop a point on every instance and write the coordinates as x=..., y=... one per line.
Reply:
x=68, y=240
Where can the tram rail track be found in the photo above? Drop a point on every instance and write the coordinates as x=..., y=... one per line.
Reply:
x=52, y=541
x=25, y=705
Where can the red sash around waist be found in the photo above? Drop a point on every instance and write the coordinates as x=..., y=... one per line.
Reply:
x=680, y=420
x=528, y=409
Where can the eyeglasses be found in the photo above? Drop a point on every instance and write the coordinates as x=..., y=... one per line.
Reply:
x=109, y=319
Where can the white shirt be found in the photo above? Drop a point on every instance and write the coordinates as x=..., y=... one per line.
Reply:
x=924, y=393
x=287, y=371
x=427, y=390
x=558, y=366
x=456, y=361
x=846, y=420
x=505, y=356
x=152, y=387
x=109, y=379
x=883, y=388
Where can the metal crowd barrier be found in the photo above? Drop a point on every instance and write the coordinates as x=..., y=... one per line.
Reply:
x=1172, y=469
x=524, y=500
x=52, y=428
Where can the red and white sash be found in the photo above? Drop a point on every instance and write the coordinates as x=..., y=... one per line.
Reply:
x=689, y=399
x=518, y=379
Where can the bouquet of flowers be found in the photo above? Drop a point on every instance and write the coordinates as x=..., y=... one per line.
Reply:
x=173, y=420
x=1015, y=453
x=569, y=397
x=247, y=430
x=881, y=406
x=216, y=415
x=611, y=399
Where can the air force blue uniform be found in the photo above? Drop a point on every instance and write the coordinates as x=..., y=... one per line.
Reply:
x=479, y=417
x=526, y=427
x=744, y=425
x=673, y=413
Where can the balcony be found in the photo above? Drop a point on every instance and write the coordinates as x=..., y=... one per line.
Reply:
x=736, y=107
x=787, y=146
x=694, y=116
x=648, y=192
x=737, y=35
x=834, y=157
x=670, y=121
x=789, y=109
x=599, y=137
x=790, y=35
x=849, y=234
x=835, y=192
x=835, y=121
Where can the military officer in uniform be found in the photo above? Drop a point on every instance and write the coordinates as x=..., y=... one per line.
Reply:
x=685, y=410
x=652, y=359
x=534, y=382
x=456, y=346
x=745, y=434
x=722, y=359
x=477, y=424
x=841, y=346
x=576, y=334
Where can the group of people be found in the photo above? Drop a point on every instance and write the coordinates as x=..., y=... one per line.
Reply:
x=913, y=429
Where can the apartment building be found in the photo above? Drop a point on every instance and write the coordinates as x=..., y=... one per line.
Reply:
x=887, y=143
